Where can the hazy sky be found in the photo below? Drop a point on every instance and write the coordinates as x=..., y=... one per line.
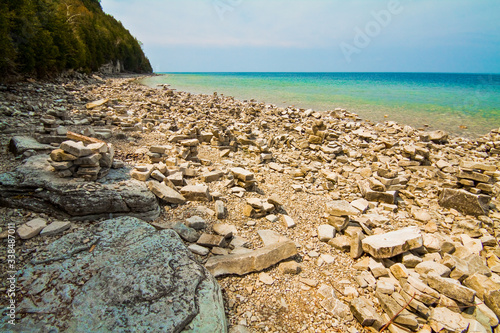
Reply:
x=315, y=35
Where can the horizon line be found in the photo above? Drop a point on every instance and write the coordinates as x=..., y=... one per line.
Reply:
x=316, y=72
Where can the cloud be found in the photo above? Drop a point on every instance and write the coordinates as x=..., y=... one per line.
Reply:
x=195, y=29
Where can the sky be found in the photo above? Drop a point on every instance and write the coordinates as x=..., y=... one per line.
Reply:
x=461, y=36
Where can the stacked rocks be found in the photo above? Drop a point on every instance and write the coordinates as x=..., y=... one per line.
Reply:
x=160, y=153
x=244, y=178
x=75, y=159
x=257, y=208
x=382, y=187
x=477, y=177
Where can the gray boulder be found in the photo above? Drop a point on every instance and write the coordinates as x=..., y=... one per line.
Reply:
x=127, y=278
x=34, y=185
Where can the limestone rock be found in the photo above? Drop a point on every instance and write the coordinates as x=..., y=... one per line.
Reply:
x=326, y=232
x=340, y=208
x=255, y=261
x=170, y=292
x=451, y=288
x=365, y=313
x=20, y=144
x=465, y=202
x=166, y=193
x=31, y=228
x=64, y=198
x=196, y=193
x=393, y=243
x=487, y=290
x=444, y=320
x=55, y=228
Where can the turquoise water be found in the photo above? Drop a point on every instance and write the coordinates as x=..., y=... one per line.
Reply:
x=439, y=101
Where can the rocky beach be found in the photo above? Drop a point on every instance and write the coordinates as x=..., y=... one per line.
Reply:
x=138, y=209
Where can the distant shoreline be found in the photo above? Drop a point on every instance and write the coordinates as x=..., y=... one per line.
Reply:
x=457, y=119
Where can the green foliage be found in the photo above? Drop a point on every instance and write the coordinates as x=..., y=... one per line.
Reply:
x=46, y=37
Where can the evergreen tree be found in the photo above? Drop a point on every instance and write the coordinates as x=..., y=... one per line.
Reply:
x=46, y=37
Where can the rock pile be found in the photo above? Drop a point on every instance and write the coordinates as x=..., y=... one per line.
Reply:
x=398, y=201
x=75, y=159
x=421, y=279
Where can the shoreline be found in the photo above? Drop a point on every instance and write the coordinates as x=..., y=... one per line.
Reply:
x=454, y=119
x=426, y=125
x=300, y=162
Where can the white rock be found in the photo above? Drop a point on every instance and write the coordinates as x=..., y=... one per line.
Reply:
x=326, y=232
x=31, y=228
x=55, y=228
x=393, y=243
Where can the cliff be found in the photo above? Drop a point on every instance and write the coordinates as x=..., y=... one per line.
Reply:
x=46, y=37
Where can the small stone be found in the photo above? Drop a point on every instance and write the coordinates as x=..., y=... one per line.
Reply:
x=290, y=267
x=220, y=209
x=55, y=228
x=266, y=278
x=211, y=241
x=166, y=193
x=75, y=148
x=197, y=249
x=426, y=267
x=31, y=228
x=326, y=232
x=225, y=230
x=196, y=222
x=340, y=208
x=185, y=232
x=289, y=222
x=196, y=192
x=309, y=282
x=212, y=176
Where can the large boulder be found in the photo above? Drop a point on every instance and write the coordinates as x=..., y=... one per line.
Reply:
x=34, y=185
x=127, y=278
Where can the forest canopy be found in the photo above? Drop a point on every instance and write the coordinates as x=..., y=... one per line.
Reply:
x=46, y=37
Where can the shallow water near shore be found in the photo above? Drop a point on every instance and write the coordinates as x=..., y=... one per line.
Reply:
x=466, y=105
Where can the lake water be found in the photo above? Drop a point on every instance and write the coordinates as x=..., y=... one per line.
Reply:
x=463, y=104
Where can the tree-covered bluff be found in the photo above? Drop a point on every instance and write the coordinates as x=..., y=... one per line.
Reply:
x=46, y=37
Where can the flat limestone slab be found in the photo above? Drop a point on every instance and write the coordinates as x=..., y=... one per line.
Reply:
x=393, y=243
x=127, y=273
x=20, y=144
x=255, y=261
x=114, y=195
